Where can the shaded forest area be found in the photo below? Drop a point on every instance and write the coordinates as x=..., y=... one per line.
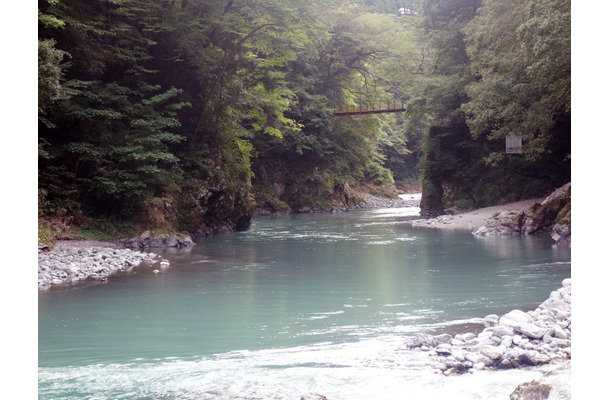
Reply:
x=190, y=115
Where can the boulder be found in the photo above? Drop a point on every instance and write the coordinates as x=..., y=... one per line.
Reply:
x=515, y=318
x=502, y=330
x=171, y=242
x=527, y=358
x=313, y=396
x=541, y=217
x=476, y=358
x=561, y=232
x=531, y=331
x=504, y=223
x=479, y=366
x=491, y=320
x=491, y=352
x=533, y=390
x=444, y=349
x=427, y=340
x=559, y=333
x=145, y=240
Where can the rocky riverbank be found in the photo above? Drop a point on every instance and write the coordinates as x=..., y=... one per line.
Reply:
x=518, y=339
x=77, y=261
x=370, y=202
x=545, y=216
x=74, y=261
x=406, y=200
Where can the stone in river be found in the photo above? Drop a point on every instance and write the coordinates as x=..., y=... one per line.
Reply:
x=531, y=391
x=527, y=358
x=313, y=396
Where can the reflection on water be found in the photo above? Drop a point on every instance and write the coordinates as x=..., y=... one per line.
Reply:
x=300, y=303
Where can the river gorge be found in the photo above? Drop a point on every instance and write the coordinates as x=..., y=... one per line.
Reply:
x=299, y=304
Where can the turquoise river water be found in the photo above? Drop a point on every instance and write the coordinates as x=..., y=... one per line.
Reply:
x=317, y=303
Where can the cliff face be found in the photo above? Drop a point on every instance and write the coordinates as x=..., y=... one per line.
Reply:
x=431, y=200
x=551, y=217
x=205, y=210
x=553, y=210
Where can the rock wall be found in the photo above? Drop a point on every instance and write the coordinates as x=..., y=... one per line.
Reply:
x=542, y=217
x=431, y=204
x=205, y=210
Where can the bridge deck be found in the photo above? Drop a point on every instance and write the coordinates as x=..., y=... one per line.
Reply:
x=359, y=112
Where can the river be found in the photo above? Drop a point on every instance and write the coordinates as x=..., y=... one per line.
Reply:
x=315, y=303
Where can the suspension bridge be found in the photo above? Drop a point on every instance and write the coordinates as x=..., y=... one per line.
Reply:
x=370, y=108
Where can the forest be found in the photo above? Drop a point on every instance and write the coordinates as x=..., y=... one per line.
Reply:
x=193, y=115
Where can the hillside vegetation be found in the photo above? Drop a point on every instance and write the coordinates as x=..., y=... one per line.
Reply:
x=189, y=115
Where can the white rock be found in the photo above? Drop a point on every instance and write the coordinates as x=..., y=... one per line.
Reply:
x=518, y=316
x=468, y=336
x=507, y=341
x=491, y=352
x=458, y=355
x=517, y=339
x=479, y=366
x=502, y=330
x=559, y=333
x=443, y=349
x=531, y=330
x=476, y=358
x=491, y=320
x=560, y=343
x=485, y=335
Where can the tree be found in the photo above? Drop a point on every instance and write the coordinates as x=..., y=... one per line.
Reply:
x=120, y=159
x=520, y=54
x=340, y=65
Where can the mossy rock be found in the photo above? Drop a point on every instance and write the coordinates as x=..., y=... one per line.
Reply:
x=541, y=217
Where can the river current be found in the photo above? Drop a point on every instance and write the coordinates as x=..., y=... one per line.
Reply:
x=316, y=303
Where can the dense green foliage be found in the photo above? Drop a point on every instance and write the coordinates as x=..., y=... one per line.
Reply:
x=179, y=111
x=490, y=69
x=190, y=114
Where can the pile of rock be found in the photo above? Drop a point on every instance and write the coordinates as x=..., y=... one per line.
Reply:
x=147, y=241
x=516, y=339
x=388, y=202
x=73, y=261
